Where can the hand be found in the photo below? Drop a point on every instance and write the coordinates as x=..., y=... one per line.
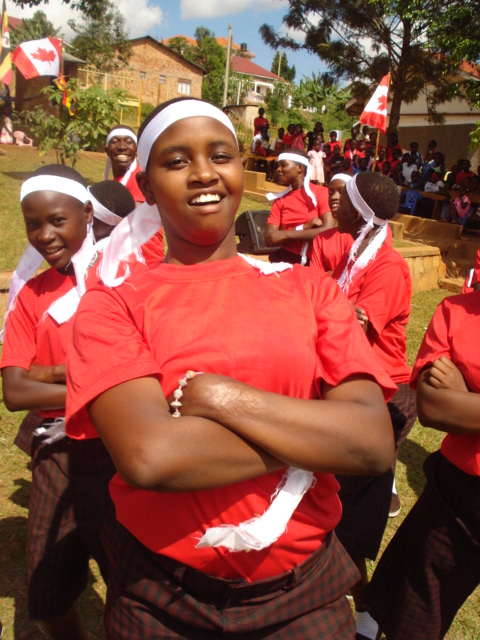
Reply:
x=314, y=223
x=361, y=316
x=274, y=238
x=205, y=394
x=444, y=374
x=54, y=374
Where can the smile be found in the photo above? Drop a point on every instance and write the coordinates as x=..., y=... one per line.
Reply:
x=206, y=198
x=122, y=157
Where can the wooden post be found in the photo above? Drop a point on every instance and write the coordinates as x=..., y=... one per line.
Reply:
x=227, y=66
x=140, y=104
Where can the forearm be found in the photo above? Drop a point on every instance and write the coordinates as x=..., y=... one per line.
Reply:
x=449, y=410
x=302, y=234
x=331, y=436
x=163, y=453
x=20, y=392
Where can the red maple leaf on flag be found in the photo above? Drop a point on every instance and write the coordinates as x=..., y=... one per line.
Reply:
x=44, y=55
x=382, y=103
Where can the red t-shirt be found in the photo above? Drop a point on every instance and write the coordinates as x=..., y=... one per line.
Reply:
x=132, y=185
x=296, y=208
x=388, y=151
x=258, y=123
x=142, y=329
x=328, y=248
x=475, y=277
x=32, y=336
x=384, y=289
x=287, y=140
x=453, y=332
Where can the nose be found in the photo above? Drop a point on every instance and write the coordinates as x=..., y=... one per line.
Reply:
x=45, y=234
x=203, y=171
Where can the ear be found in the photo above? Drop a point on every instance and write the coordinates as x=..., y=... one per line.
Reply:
x=88, y=211
x=144, y=186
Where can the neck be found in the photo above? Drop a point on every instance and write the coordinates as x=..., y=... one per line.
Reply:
x=181, y=252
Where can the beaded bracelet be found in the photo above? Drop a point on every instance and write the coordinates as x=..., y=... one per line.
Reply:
x=178, y=393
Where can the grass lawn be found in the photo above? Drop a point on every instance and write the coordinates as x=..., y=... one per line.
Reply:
x=14, y=465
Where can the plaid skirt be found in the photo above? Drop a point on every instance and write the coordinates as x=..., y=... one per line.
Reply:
x=432, y=564
x=68, y=503
x=152, y=596
x=366, y=499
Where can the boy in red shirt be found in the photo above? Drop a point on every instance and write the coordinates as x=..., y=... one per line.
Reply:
x=432, y=564
x=299, y=213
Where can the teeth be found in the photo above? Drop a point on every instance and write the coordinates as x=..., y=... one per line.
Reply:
x=206, y=197
x=122, y=157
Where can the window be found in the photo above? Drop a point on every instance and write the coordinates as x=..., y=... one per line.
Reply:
x=184, y=86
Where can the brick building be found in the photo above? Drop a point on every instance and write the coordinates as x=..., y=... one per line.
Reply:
x=165, y=74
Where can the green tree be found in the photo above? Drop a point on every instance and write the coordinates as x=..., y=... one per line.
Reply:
x=96, y=112
x=102, y=41
x=286, y=72
x=318, y=92
x=238, y=87
x=34, y=28
x=210, y=56
x=363, y=41
x=276, y=102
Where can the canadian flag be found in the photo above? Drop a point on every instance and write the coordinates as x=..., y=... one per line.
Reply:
x=375, y=113
x=38, y=58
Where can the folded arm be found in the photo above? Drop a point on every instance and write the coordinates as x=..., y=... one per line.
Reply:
x=444, y=402
x=39, y=390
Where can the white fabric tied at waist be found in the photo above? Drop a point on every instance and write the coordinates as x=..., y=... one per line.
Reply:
x=262, y=531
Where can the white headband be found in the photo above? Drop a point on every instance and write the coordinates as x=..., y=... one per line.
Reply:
x=121, y=132
x=66, y=186
x=171, y=114
x=341, y=176
x=102, y=213
x=375, y=243
x=306, y=181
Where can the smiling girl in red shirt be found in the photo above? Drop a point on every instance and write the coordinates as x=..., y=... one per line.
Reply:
x=189, y=487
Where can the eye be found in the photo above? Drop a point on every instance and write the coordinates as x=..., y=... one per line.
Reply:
x=58, y=221
x=31, y=226
x=176, y=163
x=221, y=157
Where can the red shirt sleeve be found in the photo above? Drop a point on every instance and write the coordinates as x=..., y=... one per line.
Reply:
x=275, y=216
x=321, y=193
x=357, y=355
x=435, y=343
x=376, y=296
x=102, y=323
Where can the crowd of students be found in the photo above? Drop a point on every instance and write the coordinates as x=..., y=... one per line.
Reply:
x=231, y=482
x=409, y=169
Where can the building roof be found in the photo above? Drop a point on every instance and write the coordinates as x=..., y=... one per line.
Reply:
x=223, y=42
x=14, y=23
x=244, y=65
x=161, y=45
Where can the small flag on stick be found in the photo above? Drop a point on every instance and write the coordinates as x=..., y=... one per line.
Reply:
x=6, y=74
x=375, y=113
x=67, y=99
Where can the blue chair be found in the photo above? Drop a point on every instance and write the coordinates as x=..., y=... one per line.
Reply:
x=409, y=200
